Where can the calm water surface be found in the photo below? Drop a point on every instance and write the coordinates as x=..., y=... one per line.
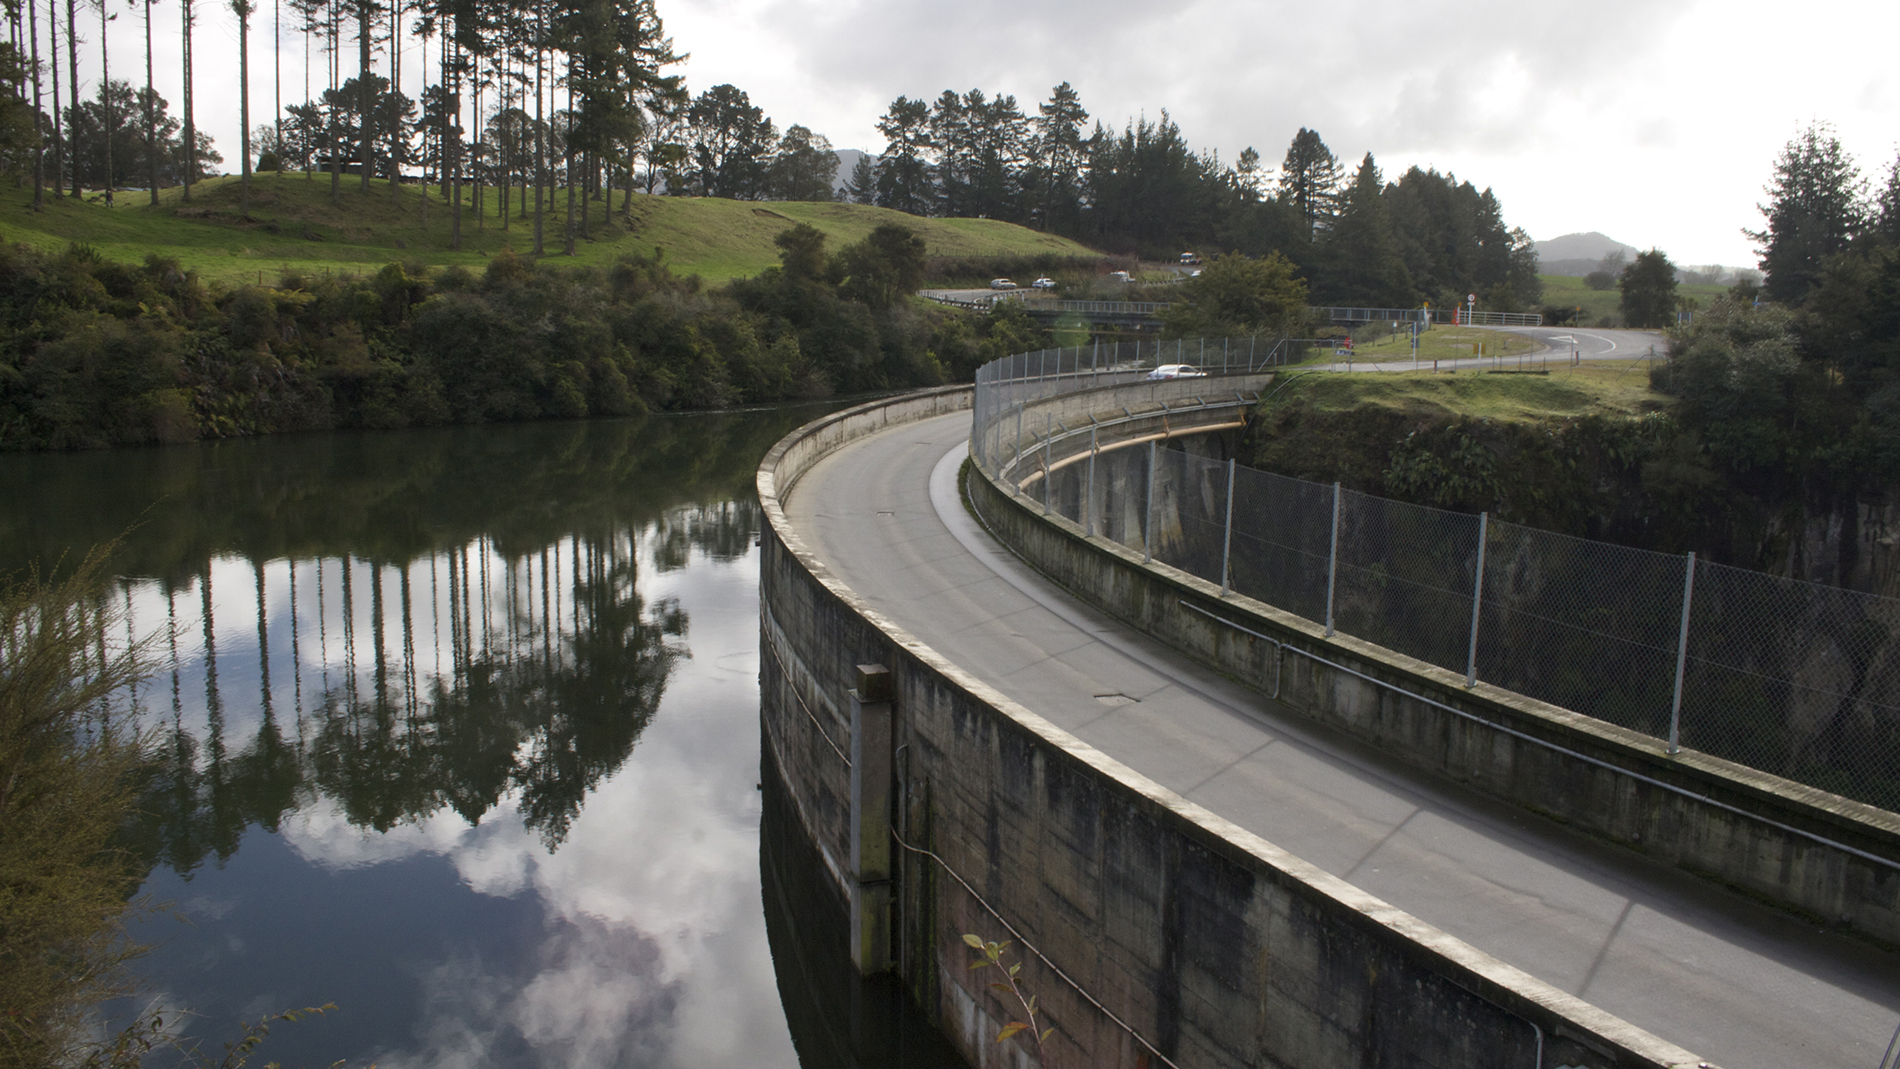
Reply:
x=460, y=733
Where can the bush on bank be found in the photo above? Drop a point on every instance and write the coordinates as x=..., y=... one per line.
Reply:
x=95, y=353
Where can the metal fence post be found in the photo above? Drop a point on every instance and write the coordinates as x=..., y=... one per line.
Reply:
x=1477, y=599
x=1148, y=510
x=1088, y=493
x=1020, y=406
x=1048, y=440
x=1332, y=564
x=1227, y=540
x=1682, y=657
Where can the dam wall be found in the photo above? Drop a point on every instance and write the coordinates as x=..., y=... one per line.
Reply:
x=1152, y=931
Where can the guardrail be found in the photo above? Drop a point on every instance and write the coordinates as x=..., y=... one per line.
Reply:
x=1795, y=679
x=1330, y=313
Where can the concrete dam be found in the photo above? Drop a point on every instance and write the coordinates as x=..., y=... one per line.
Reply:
x=1215, y=833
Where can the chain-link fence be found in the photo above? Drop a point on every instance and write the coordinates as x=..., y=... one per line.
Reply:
x=1002, y=428
x=1792, y=678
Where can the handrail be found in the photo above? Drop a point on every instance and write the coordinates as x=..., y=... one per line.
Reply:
x=1331, y=313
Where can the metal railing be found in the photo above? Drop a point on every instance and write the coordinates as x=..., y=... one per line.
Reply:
x=1792, y=678
x=1006, y=388
x=1329, y=313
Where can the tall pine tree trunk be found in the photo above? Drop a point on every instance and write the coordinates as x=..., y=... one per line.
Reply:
x=367, y=107
x=567, y=164
x=191, y=127
x=151, y=123
x=59, y=139
x=243, y=9
x=455, y=158
x=72, y=73
x=39, y=141
x=336, y=135
x=396, y=138
x=540, y=147
x=105, y=101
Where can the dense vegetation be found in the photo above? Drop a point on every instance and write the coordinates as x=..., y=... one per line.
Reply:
x=98, y=353
x=1773, y=441
x=65, y=790
x=1356, y=238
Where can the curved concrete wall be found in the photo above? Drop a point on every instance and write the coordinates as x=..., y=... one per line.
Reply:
x=1162, y=934
x=1828, y=857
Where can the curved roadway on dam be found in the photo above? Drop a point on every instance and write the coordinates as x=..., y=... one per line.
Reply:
x=1742, y=985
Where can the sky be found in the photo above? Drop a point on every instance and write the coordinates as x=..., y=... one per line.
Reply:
x=1656, y=122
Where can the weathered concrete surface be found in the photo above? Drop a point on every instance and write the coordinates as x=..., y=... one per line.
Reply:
x=1128, y=410
x=1711, y=817
x=1208, y=942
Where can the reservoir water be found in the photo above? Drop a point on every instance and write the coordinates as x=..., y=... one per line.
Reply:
x=459, y=731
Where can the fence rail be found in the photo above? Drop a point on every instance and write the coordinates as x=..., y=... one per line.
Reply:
x=1796, y=679
x=1329, y=313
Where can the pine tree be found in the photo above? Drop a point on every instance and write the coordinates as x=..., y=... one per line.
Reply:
x=1816, y=207
x=1060, y=155
x=1886, y=221
x=862, y=188
x=1309, y=179
x=1360, y=254
x=903, y=171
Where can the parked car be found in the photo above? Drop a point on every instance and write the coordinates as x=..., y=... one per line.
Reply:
x=1177, y=371
x=1002, y=284
x=1044, y=283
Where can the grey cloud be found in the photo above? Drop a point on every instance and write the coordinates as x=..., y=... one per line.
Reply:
x=1376, y=75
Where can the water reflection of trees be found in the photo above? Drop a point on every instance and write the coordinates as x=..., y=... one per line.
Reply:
x=470, y=595
x=379, y=496
x=538, y=704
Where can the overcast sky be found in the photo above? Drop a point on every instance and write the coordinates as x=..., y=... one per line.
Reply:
x=1654, y=121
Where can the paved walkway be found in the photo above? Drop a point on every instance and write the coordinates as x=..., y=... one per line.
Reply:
x=1742, y=985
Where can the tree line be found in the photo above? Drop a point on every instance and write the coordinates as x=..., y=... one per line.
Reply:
x=577, y=98
x=1356, y=237
x=1791, y=389
x=97, y=353
x=1781, y=449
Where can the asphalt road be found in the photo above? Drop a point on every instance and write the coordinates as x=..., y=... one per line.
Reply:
x=1742, y=985
x=1561, y=345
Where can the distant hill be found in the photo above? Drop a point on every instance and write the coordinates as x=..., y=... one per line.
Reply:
x=847, y=161
x=1578, y=254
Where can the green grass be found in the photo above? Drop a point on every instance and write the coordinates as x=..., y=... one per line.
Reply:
x=718, y=240
x=1439, y=343
x=1621, y=390
x=1603, y=308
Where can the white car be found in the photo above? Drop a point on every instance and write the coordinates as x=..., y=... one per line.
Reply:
x=1002, y=284
x=1044, y=284
x=1177, y=371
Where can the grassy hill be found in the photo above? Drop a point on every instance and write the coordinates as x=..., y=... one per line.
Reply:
x=1570, y=393
x=1605, y=307
x=293, y=225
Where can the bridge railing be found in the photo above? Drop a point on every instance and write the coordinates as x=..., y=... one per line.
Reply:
x=1004, y=387
x=1796, y=679
x=1335, y=314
